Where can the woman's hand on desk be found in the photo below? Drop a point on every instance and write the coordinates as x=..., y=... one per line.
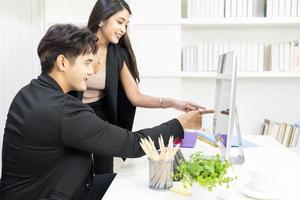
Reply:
x=193, y=119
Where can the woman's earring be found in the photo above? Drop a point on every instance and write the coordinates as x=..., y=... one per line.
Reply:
x=101, y=25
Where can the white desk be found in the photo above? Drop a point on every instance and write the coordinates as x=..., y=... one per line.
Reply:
x=132, y=180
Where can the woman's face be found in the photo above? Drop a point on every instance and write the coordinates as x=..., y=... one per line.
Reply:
x=115, y=26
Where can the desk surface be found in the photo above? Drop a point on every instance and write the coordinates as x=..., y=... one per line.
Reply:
x=132, y=180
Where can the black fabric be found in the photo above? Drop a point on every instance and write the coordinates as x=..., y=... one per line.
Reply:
x=48, y=140
x=99, y=185
x=101, y=164
x=121, y=111
x=100, y=108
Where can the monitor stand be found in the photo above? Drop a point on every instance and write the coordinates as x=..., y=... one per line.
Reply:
x=240, y=158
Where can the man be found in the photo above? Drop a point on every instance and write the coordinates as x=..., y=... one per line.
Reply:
x=50, y=135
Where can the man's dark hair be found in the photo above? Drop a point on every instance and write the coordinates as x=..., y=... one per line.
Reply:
x=67, y=40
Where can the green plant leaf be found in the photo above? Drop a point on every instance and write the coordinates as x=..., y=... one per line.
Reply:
x=207, y=172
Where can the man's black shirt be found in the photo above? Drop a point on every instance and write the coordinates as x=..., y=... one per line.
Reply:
x=48, y=140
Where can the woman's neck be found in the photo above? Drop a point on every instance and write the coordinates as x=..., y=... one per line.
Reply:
x=102, y=42
x=102, y=45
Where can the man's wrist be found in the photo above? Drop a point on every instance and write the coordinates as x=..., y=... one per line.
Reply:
x=177, y=128
x=182, y=120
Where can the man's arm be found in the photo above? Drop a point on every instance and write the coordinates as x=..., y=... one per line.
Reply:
x=83, y=129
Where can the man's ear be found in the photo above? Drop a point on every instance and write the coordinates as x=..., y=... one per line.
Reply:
x=61, y=62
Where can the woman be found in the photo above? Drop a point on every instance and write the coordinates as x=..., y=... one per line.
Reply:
x=112, y=91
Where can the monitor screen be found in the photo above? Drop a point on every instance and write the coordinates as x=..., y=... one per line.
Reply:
x=225, y=93
x=225, y=109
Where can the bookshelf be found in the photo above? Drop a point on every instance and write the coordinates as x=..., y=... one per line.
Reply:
x=253, y=87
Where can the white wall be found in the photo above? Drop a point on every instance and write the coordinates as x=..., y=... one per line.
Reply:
x=67, y=11
x=21, y=26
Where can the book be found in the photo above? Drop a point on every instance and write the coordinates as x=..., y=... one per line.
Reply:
x=233, y=10
x=294, y=8
x=207, y=138
x=298, y=9
x=235, y=142
x=275, y=57
x=269, y=8
x=262, y=129
x=200, y=58
x=244, y=8
x=258, y=8
x=267, y=124
x=221, y=10
x=227, y=9
x=250, y=8
x=239, y=8
x=281, y=8
x=287, y=135
x=267, y=58
x=288, y=9
x=281, y=132
x=260, y=57
x=189, y=139
x=273, y=129
x=295, y=135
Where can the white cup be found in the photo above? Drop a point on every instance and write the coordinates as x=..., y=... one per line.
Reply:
x=261, y=180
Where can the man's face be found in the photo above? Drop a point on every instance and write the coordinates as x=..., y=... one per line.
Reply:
x=77, y=72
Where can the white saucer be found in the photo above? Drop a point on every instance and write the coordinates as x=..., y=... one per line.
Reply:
x=272, y=194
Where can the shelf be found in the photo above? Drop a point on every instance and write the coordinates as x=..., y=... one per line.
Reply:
x=243, y=74
x=213, y=75
x=161, y=74
x=198, y=74
x=154, y=22
x=202, y=23
x=252, y=22
x=269, y=74
x=77, y=23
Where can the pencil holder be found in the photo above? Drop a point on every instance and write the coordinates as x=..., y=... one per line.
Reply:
x=160, y=174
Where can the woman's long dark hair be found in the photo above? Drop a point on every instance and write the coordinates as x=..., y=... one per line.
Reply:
x=104, y=9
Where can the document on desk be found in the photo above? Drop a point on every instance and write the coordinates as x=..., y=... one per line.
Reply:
x=234, y=142
x=210, y=139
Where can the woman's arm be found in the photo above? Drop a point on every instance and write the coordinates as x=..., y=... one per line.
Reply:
x=140, y=100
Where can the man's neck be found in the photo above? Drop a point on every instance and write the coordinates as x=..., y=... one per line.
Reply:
x=60, y=81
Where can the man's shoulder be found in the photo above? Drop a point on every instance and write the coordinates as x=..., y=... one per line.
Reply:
x=73, y=104
x=40, y=93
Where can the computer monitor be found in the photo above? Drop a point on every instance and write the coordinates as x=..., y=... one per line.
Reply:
x=225, y=116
